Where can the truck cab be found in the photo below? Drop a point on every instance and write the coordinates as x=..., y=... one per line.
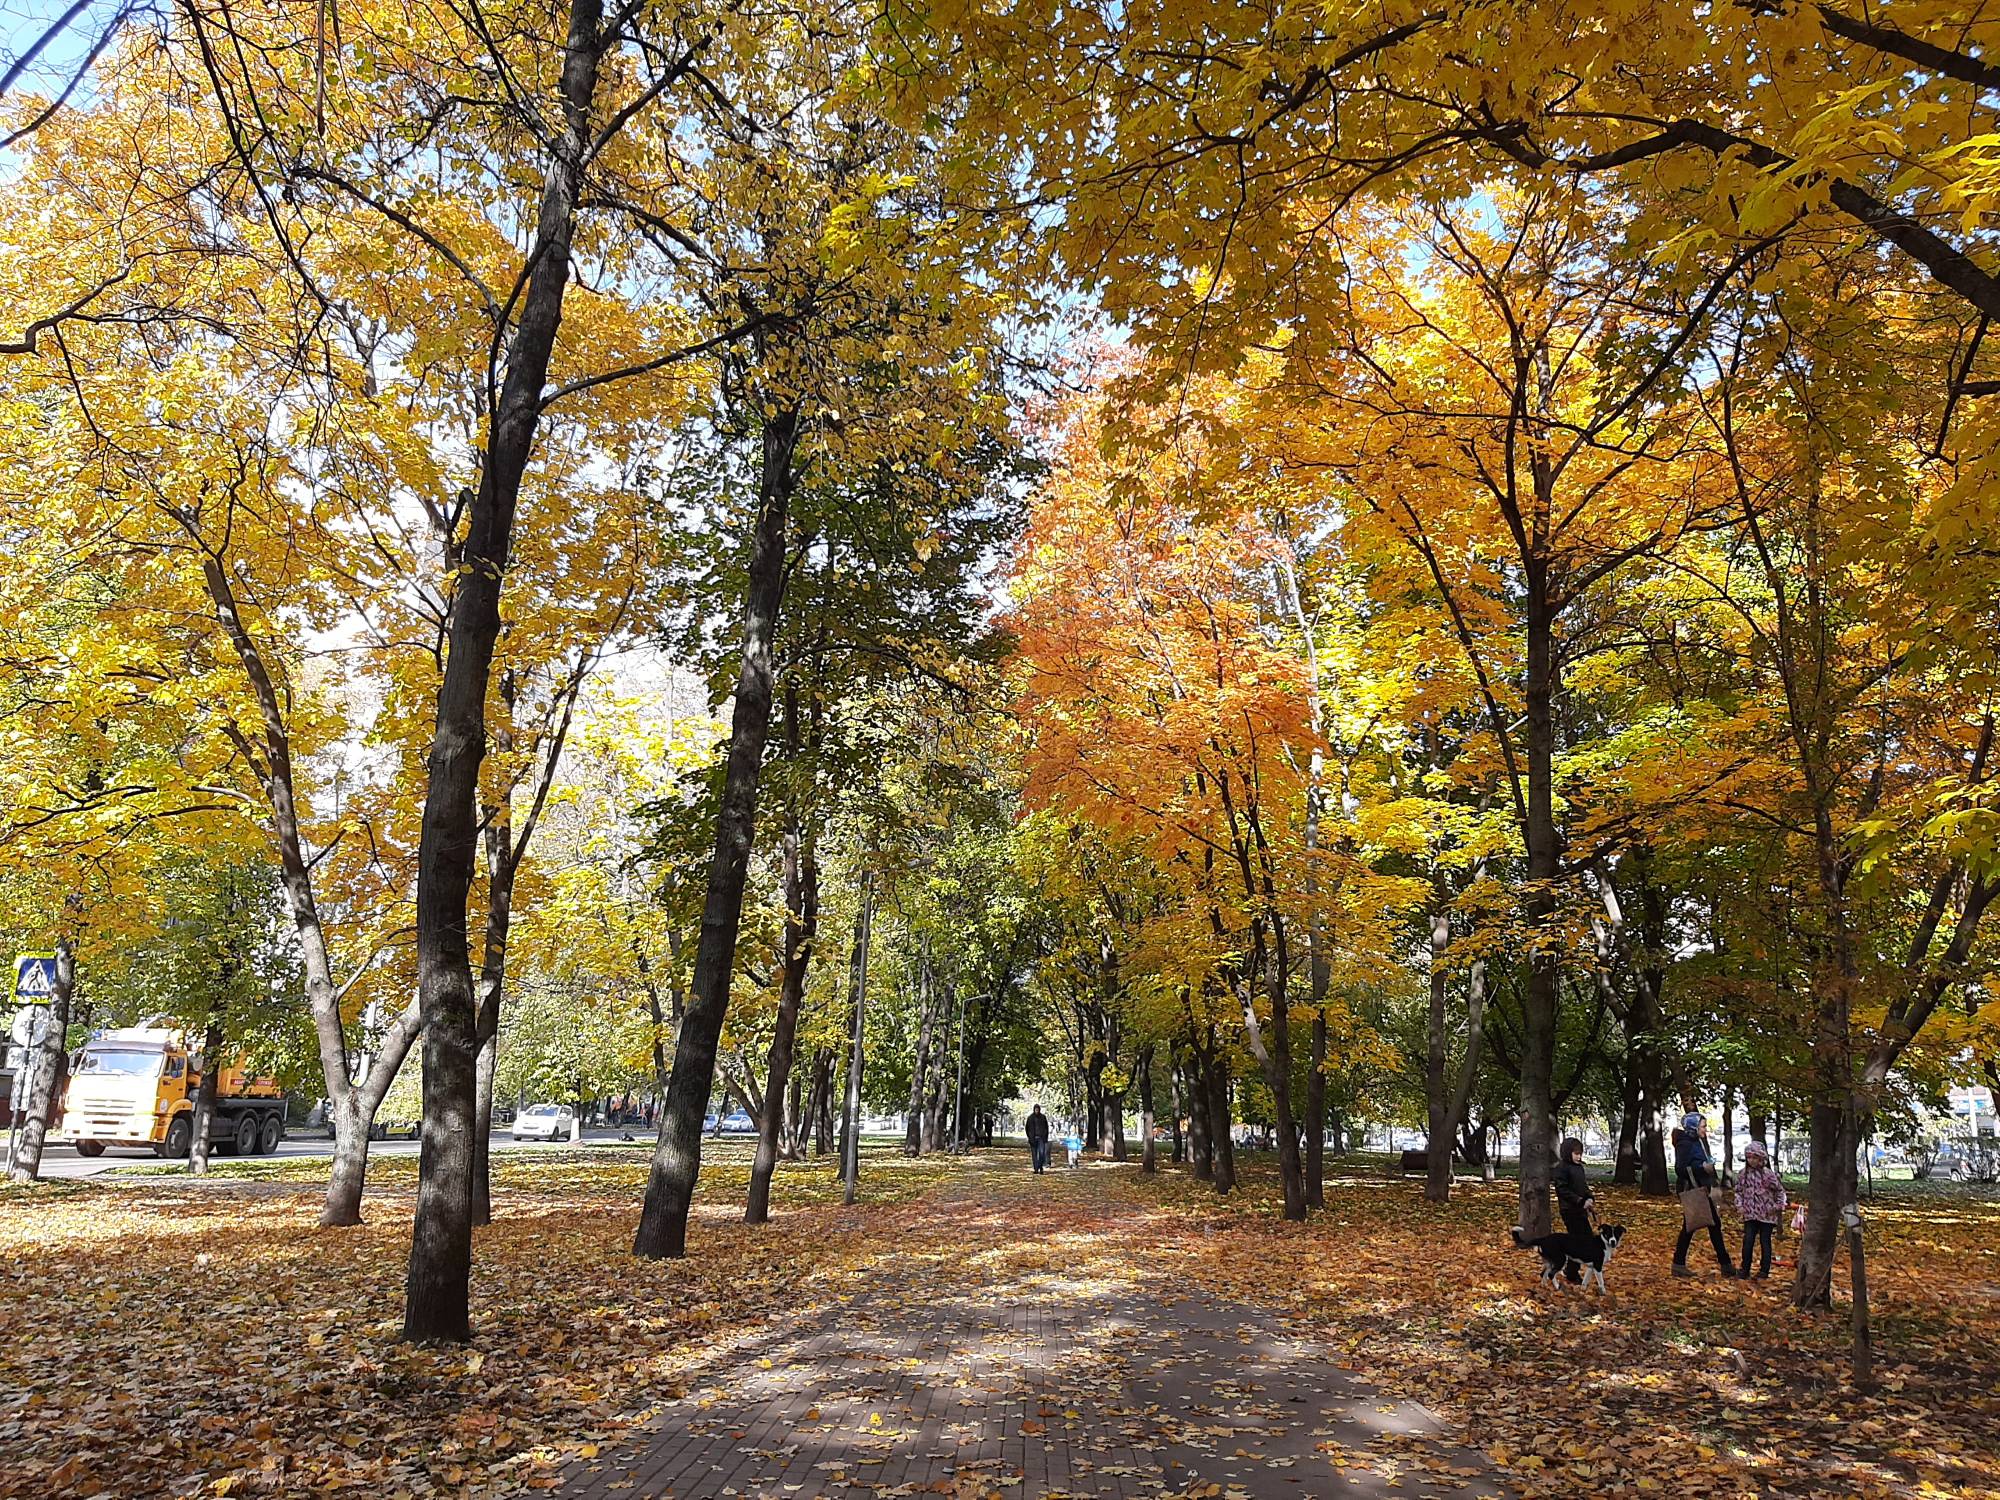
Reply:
x=136, y=1086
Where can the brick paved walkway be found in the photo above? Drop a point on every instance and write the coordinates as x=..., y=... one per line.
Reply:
x=942, y=1380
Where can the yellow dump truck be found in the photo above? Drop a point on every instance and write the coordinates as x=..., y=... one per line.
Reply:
x=136, y=1086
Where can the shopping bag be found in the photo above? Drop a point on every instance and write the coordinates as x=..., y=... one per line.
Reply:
x=1697, y=1209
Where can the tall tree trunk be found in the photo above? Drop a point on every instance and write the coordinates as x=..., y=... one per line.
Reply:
x=913, y=1129
x=823, y=1103
x=1316, y=1098
x=482, y=1129
x=45, y=1070
x=958, y=1084
x=504, y=853
x=437, y=1299
x=801, y=929
x=1274, y=1057
x=1728, y=1174
x=815, y=1105
x=204, y=1098
x=1646, y=1021
x=1833, y=1115
x=1219, y=1132
x=352, y=1102
x=965, y=1124
x=1201, y=1146
x=501, y=865
x=677, y=1156
x=1626, y=1170
x=792, y=1145
x=1318, y=969
x=850, y=1115
x=1112, y=1100
x=1143, y=1069
x=932, y=1138
x=1437, y=1085
x=1542, y=992
x=348, y=1175
x=1093, y=1099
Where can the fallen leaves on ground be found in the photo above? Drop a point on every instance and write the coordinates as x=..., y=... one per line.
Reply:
x=160, y=1337
x=166, y=1338
x=1664, y=1386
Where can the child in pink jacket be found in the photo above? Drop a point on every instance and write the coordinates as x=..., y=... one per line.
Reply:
x=1760, y=1199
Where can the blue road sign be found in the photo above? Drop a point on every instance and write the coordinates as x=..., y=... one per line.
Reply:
x=34, y=978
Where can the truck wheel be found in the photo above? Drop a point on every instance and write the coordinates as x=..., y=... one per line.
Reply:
x=268, y=1134
x=90, y=1148
x=180, y=1135
x=246, y=1135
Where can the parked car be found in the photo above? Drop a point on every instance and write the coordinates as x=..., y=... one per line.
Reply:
x=1964, y=1160
x=544, y=1122
x=736, y=1122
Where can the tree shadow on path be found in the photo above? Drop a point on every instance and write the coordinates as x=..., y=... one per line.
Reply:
x=1016, y=1342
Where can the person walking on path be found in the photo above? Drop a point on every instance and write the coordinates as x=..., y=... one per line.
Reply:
x=1760, y=1199
x=1038, y=1138
x=1694, y=1177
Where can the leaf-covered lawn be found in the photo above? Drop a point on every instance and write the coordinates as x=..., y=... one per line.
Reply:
x=1706, y=1387
x=163, y=1338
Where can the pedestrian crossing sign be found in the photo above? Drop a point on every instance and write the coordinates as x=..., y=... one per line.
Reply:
x=34, y=978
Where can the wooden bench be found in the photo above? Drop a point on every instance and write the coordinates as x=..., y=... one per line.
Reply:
x=1416, y=1163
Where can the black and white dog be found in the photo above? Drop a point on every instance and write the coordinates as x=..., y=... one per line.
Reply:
x=1589, y=1253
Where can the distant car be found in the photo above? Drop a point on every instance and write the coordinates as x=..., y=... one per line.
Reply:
x=1966, y=1160
x=395, y=1130
x=736, y=1122
x=544, y=1122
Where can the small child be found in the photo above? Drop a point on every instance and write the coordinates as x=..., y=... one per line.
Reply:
x=1760, y=1199
x=1074, y=1144
x=1572, y=1184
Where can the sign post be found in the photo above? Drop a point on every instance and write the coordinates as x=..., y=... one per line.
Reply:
x=36, y=987
x=34, y=978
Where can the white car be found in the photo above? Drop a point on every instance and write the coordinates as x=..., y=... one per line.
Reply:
x=544, y=1122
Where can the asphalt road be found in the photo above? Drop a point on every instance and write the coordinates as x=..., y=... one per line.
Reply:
x=62, y=1161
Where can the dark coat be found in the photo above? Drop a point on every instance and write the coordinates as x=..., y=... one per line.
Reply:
x=1572, y=1183
x=1038, y=1130
x=1694, y=1166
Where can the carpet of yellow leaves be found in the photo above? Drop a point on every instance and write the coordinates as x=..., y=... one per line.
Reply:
x=160, y=1337
x=166, y=1338
x=1667, y=1387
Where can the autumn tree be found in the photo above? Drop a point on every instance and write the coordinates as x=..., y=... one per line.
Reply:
x=1859, y=683
x=1168, y=703
x=874, y=356
x=1487, y=411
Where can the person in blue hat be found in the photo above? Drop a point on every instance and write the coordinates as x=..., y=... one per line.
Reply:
x=1694, y=1170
